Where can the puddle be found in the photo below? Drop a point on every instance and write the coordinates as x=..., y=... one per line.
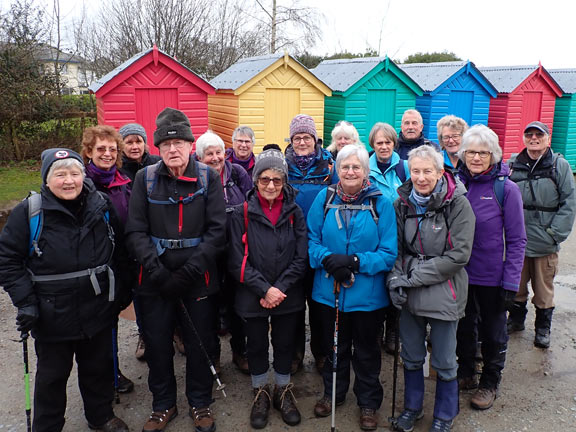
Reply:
x=565, y=292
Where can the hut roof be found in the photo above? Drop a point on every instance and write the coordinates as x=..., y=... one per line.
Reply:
x=566, y=79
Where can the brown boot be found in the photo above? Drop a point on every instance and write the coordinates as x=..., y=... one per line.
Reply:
x=140, y=349
x=483, y=398
x=323, y=407
x=203, y=419
x=178, y=343
x=113, y=425
x=241, y=362
x=285, y=402
x=260, y=407
x=158, y=420
x=368, y=419
x=468, y=383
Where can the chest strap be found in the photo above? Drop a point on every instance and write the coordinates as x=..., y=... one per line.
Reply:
x=163, y=244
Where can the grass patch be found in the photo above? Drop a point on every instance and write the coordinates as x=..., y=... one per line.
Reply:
x=16, y=180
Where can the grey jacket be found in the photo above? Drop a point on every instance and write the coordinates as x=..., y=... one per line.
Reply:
x=549, y=203
x=433, y=251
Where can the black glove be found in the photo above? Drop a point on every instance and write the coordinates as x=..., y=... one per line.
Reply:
x=335, y=261
x=160, y=275
x=27, y=317
x=507, y=298
x=178, y=284
x=342, y=275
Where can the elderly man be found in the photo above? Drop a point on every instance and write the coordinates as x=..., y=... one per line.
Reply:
x=243, y=141
x=547, y=185
x=411, y=134
x=176, y=230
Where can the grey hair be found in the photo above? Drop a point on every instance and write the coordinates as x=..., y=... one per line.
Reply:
x=65, y=163
x=208, y=139
x=388, y=130
x=415, y=112
x=484, y=136
x=427, y=152
x=244, y=130
x=452, y=122
x=346, y=128
x=354, y=150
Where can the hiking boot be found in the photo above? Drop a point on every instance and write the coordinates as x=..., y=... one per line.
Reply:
x=260, y=407
x=368, y=419
x=483, y=398
x=516, y=317
x=140, y=349
x=241, y=362
x=285, y=402
x=125, y=385
x=113, y=425
x=203, y=419
x=468, y=383
x=542, y=338
x=323, y=407
x=389, y=343
x=297, y=365
x=158, y=420
x=406, y=421
x=178, y=343
x=441, y=425
x=542, y=327
x=320, y=360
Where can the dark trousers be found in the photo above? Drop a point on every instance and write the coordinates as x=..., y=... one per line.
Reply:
x=485, y=314
x=313, y=321
x=159, y=317
x=357, y=341
x=282, y=334
x=95, y=380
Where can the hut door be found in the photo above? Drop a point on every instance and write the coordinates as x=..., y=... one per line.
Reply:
x=531, y=111
x=461, y=103
x=381, y=108
x=281, y=107
x=149, y=103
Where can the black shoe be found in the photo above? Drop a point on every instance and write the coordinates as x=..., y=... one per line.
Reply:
x=441, y=425
x=113, y=425
x=542, y=338
x=285, y=402
x=542, y=326
x=260, y=407
x=125, y=385
x=406, y=421
x=516, y=317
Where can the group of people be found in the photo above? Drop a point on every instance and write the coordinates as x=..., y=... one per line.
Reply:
x=413, y=244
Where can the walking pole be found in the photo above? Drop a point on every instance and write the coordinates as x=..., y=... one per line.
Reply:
x=335, y=355
x=24, y=340
x=202, y=348
x=393, y=421
x=115, y=362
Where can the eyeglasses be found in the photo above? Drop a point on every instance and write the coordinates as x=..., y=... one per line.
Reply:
x=531, y=134
x=470, y=154
x=446, y=138
x=307, y=139
x=265, y=181
x=176, y=144
x=355, y=168
x=246, y=142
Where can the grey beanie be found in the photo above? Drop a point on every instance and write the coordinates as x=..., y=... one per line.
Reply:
x=52, y=155
x=270, y=159
x=172, y=124
x=133, y=129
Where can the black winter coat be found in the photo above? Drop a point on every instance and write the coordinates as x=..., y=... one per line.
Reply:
x=130, y=167
x=204, y=216
x=69, y=309
x=277, y=256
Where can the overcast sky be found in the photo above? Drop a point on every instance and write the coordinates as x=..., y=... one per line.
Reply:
x=487, y=32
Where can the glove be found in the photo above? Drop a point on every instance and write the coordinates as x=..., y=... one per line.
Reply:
x=335, y=261
x=160, y=275
x=177, y=285
x=507, y=298
x=342, y=275
x=398, y=296
x=398, y=281
x=27, y=317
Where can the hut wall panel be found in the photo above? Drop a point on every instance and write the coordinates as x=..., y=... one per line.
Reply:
x=424, y=107
x=564, y=136
x=223, y=115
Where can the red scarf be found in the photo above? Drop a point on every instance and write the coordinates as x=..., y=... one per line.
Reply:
x=272, y=212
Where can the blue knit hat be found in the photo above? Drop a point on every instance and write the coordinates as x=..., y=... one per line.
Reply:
x=133, y=129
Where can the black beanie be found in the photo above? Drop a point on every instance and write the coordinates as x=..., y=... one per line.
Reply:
x=172, y=124
x=52, y=155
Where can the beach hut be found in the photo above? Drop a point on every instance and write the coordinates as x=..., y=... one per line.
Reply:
x=564, y=136
x=456, y=88
x=265, y=93
x=365, y=91
x=525, y=94
x=141, y=87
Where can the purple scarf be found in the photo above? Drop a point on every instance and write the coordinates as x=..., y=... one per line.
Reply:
x=304, y=162
x=100, y=176
x=243, y=163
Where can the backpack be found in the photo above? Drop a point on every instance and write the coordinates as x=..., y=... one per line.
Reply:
x=400, y=171
x=331, y=194
x=151, y=174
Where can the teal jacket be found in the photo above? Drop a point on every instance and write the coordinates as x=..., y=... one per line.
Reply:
x=388, y=182
x=375, y=246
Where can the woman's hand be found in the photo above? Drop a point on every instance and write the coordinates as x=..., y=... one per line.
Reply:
x=273, y=298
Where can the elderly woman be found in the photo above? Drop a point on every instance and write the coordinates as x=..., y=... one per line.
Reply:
x=269, y=269
x=310, y=170
x=241, y=153
x=48, y=275
x=495, y=265
x=450, y=130
x=344, y=133
x=352, y=245
x=135, y=155
x=429, y=282
x=387, y=172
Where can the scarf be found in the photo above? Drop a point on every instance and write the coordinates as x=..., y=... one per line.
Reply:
x=100, y=176
x=243, y=163
x=350, y=198
x=304, y=162
x=422, y=201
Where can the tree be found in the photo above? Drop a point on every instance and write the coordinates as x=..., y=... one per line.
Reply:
x=432, y=57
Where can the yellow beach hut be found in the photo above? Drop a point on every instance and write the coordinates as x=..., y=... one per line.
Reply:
x=265, y=93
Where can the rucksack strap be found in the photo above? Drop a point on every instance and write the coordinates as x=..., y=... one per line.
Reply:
x=184, y=243
x=499, y=183
x=400, y=170
x=328, y=204
x=35, y=222
x=245, y=241
x=151, y=174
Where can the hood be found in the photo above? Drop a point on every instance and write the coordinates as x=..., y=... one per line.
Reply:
x=451, y=189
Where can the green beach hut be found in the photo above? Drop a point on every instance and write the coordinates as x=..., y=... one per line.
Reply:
x=564, y=130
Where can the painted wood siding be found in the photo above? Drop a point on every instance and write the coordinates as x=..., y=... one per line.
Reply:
x=424, y=107
x=223, y=115
x=334, y=111
x=564, y=136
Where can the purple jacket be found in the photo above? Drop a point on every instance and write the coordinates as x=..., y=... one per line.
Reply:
x=489, y=264
x=236, y=182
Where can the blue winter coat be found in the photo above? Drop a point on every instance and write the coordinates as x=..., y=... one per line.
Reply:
x=375, y=246
x=388, y=181
x=495, y=261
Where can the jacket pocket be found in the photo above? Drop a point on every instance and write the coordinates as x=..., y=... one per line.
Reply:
x=436, y=301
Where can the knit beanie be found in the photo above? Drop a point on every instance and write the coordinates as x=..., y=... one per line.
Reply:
x=172, y=124
x=270, y=159
x=133, y=129
x=303, y=123
x=52, y=155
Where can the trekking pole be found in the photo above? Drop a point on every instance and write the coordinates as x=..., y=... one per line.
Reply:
x=393, y=421
x=24, y=340
x=202, y=348
x=335, y=355
x=115, y=362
